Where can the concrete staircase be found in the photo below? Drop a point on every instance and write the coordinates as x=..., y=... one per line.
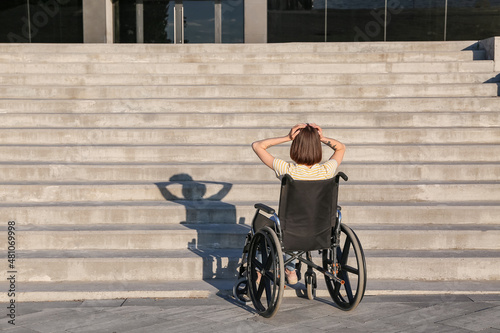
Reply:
x=129, y=173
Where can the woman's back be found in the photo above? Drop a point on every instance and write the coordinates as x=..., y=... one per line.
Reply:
x=304, y=172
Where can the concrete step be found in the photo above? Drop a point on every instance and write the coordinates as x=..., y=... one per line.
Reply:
x=364, y=153
x=73, y=291
x=217, y=236
x=303, y=67
x=240, y=212
x=251, y=172
x=424, y=237
x=131, y=213
x=226, y=135
x=256, y=48
x=262, y=79
x=244, y=57
x=433, y=265
x=250, y=120
x=178, y=265
x=421, y=213
x=216, y=191
x=132, y=237
x=220, y=91
x=120, y=265
x=264, y=105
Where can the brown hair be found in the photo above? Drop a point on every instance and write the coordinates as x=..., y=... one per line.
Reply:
x=306, y=147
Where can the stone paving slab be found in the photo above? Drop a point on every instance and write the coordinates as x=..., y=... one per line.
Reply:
x=220, y=313
x=476, y=321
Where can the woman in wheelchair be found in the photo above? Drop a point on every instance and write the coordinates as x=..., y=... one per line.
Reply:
x=308, y=219
x=306, y=152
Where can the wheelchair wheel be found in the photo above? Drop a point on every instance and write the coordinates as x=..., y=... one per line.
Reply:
x=265, y=257
x=351, y=269
x=240, y=291
x=310, y=281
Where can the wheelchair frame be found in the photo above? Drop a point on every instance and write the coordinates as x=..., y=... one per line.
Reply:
x=266, y=275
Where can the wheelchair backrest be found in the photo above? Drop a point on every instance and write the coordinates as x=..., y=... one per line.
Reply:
x=307, y=212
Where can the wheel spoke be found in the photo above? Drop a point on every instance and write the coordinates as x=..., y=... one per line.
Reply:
x=350, y=269
x=269, y=265
x=345, y=252
x=257, y=264
x=260, y=290
x=270, y=262
x=267, y=285
x=337, y=291
x=263, y=250
x=347, y=286
x=269, y=275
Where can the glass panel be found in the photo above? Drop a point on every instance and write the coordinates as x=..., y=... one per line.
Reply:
x=126, y=26
x=14, y=27
x=355, y=21
x=233, y=21
x=296, y=21
x=56, y=21
x=472, y=20
x=159, y=21
x=415, y=20
x=199, y=21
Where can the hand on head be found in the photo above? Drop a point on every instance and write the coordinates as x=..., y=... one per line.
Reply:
x=320, y=131
x=295, y=130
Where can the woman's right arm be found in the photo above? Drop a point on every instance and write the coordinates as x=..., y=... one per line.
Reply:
x=260, y=147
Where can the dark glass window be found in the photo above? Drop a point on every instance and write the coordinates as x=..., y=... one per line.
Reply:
x=56, y=21
x=355, y=21
x=199, y=21
x=43, y=21
x=14, y=26
x=296, y=21
x=126, y=24
x=370, y=20
x=233, y=12
x=415, y=20
x=159, y=21
x=473, y=20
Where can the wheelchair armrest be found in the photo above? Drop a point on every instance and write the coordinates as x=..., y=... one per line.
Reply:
x=265, y=208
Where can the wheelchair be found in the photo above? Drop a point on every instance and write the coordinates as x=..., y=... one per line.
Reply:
x=309, y=219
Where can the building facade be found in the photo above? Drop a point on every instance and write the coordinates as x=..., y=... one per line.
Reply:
x=246, y=21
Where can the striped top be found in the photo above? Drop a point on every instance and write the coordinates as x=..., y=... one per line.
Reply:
x=302, y=172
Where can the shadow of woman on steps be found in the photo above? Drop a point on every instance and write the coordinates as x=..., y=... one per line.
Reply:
x=182, y=189
x=215, y=221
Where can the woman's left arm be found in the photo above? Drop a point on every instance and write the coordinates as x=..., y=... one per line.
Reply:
x=337, y=146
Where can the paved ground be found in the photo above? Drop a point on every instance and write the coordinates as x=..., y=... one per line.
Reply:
x=452, y=313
